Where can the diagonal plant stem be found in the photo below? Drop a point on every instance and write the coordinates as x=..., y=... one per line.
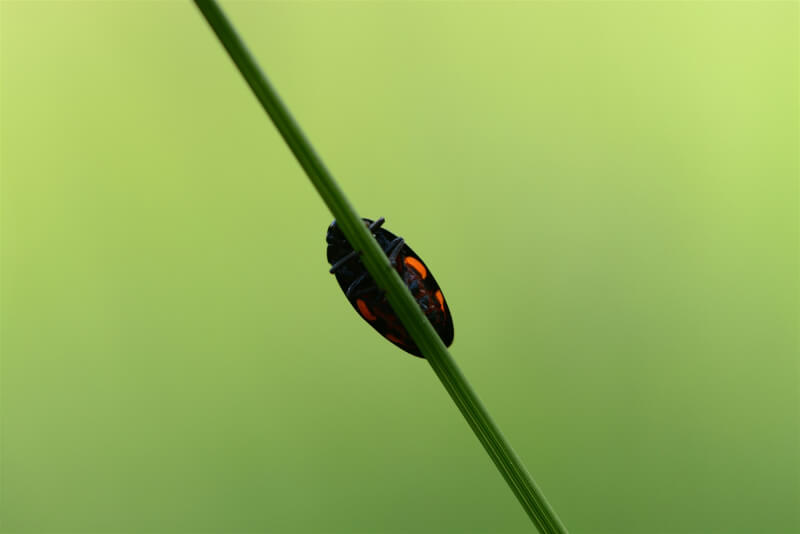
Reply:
x=376, y=262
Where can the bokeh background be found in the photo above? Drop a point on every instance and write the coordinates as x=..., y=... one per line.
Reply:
x=608, y=193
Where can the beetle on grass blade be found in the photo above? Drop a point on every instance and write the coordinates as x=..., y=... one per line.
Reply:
x=370, y=301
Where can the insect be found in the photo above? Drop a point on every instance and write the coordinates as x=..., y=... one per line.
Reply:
x=370, y=301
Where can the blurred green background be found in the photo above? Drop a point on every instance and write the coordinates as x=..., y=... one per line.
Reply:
x=608, y=193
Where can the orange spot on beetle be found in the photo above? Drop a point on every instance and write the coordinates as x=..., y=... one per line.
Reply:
x=362, y=307
x=440, y=298
x=415, y=264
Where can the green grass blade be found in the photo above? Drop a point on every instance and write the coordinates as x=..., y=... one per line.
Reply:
x=376, y=262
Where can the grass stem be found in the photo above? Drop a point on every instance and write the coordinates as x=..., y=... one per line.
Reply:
x=376, y=262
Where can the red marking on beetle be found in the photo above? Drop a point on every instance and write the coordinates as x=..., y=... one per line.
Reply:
x=362, y=307
x=415, y=264
x=440, y=298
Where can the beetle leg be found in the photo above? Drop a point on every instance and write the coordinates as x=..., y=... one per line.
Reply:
x=394, y=249
x=344, y=260
x=355, y=283
x=377, y=224
x=362, y=291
